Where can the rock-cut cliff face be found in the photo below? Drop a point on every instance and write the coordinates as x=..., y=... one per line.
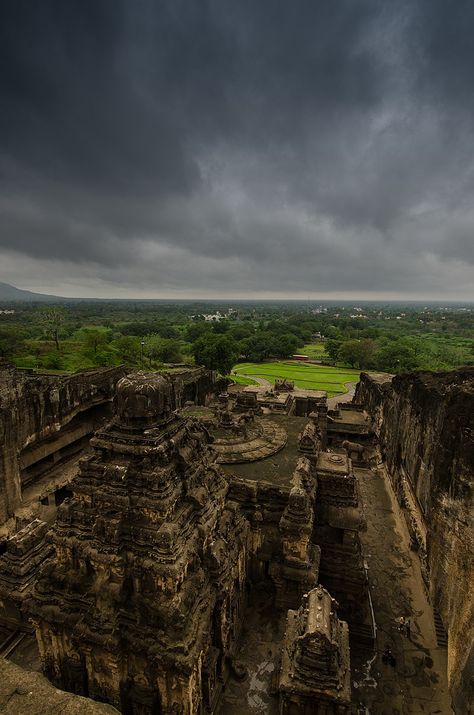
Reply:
x=425, y=426
x=39, y=411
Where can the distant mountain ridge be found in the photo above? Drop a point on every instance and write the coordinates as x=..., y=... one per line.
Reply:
x=9, y=293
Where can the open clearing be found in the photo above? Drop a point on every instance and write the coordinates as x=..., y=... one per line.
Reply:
x=307, y=376
x=315, y=351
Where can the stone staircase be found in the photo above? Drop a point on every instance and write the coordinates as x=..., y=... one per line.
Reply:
x=441, y=635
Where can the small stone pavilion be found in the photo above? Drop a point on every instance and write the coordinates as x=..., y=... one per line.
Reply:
x=315, y=672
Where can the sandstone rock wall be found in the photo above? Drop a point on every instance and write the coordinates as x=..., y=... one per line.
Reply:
x=195, y=385
x=425, y=426
x=38, y=411
x=35, y=408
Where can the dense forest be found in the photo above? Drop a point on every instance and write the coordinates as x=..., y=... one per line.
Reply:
x=388, y=337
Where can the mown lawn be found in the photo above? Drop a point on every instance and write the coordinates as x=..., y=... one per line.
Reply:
x=315, y=351
x=312, y=377
x=240, y=380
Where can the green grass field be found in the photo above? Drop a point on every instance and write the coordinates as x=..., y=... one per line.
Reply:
x=312, y=377
x=315, y=351
x=240, y=380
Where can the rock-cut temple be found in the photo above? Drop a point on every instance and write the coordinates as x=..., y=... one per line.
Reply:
x=170, y=545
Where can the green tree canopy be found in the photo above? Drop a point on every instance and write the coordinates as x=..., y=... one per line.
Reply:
x=396, y=356
x=216, y=352
x=94, y=339
x=332, y=348
x=163, y=349
x=357, y=353
x=128, y=349
x=11, y=342
x=52, y=319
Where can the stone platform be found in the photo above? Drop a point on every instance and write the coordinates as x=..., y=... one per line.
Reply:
x=258, y=441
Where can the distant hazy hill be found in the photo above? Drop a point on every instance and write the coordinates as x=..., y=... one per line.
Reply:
x=9, y=293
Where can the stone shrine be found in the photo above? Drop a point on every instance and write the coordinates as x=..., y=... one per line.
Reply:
x=142, y=606
x=315, y=672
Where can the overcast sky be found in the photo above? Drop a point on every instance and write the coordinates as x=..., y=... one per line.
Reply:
x=238, y=148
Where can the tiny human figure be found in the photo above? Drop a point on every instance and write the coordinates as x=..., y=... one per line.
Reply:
x=401, y=624
x=388, y=657
x=407, y=628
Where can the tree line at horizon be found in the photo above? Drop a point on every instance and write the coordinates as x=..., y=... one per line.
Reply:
x=68, y=338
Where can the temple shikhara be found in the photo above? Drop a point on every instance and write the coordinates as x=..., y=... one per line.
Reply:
x=171, y=547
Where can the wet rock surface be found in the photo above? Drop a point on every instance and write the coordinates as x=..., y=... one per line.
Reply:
x=417, y=684
x=425, y=426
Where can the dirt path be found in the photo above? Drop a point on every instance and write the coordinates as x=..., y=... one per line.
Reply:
x=417, y=684
x=346, y=397
x=261, y=381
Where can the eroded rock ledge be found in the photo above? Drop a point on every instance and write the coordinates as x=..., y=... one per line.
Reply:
x=425, y=426
x=23, y=692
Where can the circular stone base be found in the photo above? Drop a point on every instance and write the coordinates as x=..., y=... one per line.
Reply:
x=263, y=438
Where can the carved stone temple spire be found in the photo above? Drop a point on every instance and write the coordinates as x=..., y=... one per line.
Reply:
x=142, y=605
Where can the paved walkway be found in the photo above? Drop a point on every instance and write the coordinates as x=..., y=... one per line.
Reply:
x=417, y=684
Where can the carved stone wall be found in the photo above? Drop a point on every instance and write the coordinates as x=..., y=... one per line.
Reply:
x=36, y=409
x=315, y=670
x=296, y=571
x=425, y=426
x=25, y=552
x=42, y=415
x=195, y=385
x=143, y=603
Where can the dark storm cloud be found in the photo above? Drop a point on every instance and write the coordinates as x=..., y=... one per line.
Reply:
x=237, y=146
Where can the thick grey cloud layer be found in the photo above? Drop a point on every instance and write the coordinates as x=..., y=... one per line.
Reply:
x=237, y=148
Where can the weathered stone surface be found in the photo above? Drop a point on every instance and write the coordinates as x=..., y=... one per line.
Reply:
x=25, y=552
x=315, y=671
x=142, y=605
x=336, y=481
x=284, y=385
x=296, y=571
x=247, y=442
x=156, y=551
x=42, y=417
x=346, y=423
x=35, y=410
x=144, y=400
x=338, y=521
x=26, y=693
x=310, y=439
x=425, y=425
